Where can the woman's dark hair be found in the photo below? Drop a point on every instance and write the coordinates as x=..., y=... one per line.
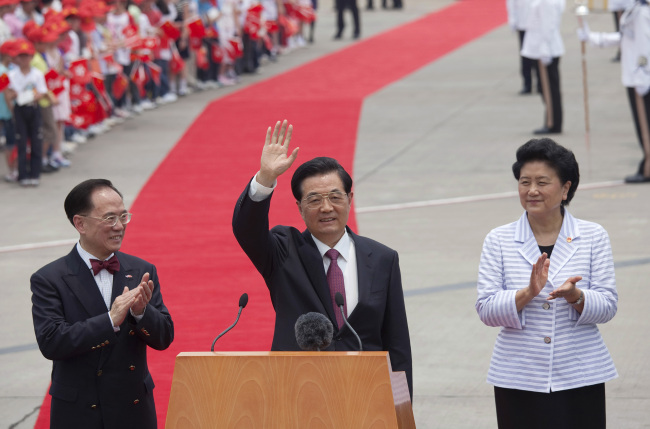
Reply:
x=79, y=199
x=555, y=156
x=318, y=166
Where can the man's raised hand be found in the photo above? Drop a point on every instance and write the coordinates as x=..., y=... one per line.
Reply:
x=275, y=159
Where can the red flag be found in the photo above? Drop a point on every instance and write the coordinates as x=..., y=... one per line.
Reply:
x=196, y=28
x=268, y=43
x=76, y=89
x=119, y=86
x=176, y=64
x=202, y=59
x=109, y=59
x=54, y=82
x=217, y=53
x=147, y=43
x=98, y=81
x=170, y=31
x=140, y=78
x=4, y=81
x=156, y=71
x=305, y=13
x=80, y=71
x=80, y=121
x=143, y=58
x=195, y=43
x=211, y=33
x=253, y=22
x=131, y=36
x=289, y=24
x=272, y=27
x=234, y=48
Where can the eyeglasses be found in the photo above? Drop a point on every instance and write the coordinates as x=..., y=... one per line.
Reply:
x=314, y=201
x=112, y=219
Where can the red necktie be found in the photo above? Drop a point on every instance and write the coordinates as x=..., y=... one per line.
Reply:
x=336, y=283
x=111, y=265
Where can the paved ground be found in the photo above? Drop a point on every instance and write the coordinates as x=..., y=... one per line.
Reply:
x=449, y=130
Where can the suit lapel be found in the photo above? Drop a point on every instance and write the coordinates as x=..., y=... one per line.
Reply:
x=528, y=245
x=365, y=272
x=126, y=276
x=313, y=263
x=83, y=285
x=566, y=246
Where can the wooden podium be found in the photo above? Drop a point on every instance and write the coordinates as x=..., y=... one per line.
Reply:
x=283, y=390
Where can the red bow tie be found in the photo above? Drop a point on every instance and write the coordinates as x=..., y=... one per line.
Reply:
x=111, y=265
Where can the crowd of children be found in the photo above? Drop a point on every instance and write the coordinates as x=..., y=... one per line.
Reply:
x=71, y=69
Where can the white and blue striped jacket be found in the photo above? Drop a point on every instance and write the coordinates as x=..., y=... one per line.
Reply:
x=523, y=358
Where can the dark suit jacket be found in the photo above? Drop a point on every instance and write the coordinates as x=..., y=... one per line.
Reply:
x=100, y=378
x=293, y=271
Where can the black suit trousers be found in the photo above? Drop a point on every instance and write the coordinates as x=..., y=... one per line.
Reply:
x=341, y=5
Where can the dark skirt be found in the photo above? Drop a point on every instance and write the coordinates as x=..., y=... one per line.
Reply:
x=583, y=407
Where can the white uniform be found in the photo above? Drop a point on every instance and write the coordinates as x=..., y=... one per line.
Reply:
x=543, y=38
x=634, y=41
x=635, y=46
x=517, y=13
x=618, y=5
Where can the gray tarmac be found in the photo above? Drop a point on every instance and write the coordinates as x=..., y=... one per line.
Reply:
x=432, y=177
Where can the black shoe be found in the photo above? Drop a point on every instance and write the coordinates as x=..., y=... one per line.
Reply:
x=525, y=91
x=49, y=168
x=370, y=8
x=356, y=36
x=337, y=36
x=546, y=130
x=637, y=178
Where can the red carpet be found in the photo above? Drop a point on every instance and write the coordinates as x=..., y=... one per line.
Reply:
x=183, y=215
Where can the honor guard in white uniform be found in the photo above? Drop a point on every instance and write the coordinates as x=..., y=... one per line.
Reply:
x=617, y=7
x=543, y=43
x=634, y=42
x=517, y=16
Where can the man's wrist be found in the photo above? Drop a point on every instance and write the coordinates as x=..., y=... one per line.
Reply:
x=266, y=180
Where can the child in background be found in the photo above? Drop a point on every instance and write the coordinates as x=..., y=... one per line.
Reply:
x=6, y=118
x=40, y=38
x=28, y=86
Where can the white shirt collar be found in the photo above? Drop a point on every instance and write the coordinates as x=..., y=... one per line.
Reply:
x=343, y=246
x=87, y=256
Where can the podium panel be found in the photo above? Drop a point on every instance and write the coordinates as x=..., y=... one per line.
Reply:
x=283, y=390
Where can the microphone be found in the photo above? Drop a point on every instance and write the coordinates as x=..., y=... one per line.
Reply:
x=314, y=332
x=340, y=302
x=243, y=300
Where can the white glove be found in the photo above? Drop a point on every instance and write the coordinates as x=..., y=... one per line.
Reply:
x=583, y=34
x=546, y=60
x=642, y=90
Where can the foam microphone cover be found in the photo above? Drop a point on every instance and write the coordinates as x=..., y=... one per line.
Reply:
x=314, y=332
x=243, y=300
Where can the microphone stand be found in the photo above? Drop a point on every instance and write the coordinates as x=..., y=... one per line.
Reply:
x=340, y=303
x=229, y=328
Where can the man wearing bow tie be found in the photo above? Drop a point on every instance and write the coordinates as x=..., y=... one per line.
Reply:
x=95, y=312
